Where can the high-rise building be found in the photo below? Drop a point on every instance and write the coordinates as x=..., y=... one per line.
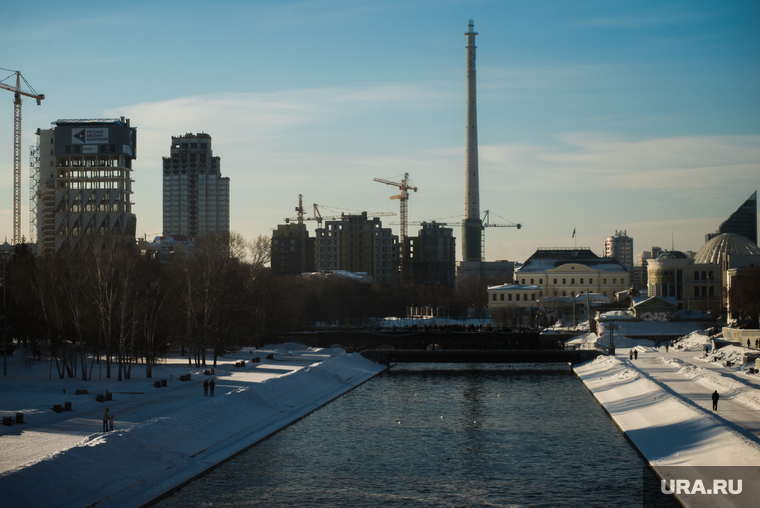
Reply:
x=358, y=244
x=620, y=247
x=82, y=182
x=471, y=226
x=432, y=257
x=196, y=196
x=292, y=249
x=742, y=222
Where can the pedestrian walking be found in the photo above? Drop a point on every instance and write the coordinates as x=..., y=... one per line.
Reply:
x=205, y=388
x=106, y=417
x=212, y=385
x=630, y=354
x=110, y=421
x=666, y=347
x=748, y=343
x=715, y=398
x=635, y=355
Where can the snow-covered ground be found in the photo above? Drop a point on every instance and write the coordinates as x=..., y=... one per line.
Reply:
x=163, y=436
x=662, y=402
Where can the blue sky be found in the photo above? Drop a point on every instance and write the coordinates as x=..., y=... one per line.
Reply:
x=594, y=115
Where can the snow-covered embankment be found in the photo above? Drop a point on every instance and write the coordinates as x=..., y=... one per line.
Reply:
x=181, y=436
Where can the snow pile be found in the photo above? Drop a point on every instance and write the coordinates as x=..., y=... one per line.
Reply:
x=695, y=341
x=731, y=354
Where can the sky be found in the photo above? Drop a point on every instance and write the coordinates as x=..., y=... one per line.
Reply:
x=593, y=116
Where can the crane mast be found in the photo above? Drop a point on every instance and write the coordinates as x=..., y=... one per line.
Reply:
x=17, y=146
x=403, y=196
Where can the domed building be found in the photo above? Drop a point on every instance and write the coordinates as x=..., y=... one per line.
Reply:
x=716, y=250
x=687, y=282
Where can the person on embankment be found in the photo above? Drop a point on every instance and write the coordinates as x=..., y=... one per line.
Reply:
x=715, y=398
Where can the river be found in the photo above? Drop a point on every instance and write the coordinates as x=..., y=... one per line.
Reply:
x=438, y=435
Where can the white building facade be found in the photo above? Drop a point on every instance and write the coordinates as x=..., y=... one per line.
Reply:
x=559, y=272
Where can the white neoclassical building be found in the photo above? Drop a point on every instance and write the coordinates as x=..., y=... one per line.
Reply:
x=561, y=272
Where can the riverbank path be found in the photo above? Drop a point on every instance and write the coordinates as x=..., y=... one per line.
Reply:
x=739, y=401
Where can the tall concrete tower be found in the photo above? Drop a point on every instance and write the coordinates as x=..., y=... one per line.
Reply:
x=471, y=227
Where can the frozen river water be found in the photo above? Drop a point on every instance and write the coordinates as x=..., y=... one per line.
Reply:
x=438, y=435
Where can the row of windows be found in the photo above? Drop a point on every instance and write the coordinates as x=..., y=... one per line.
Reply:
x=705, y=291
x=580, y=281
x=517, y=297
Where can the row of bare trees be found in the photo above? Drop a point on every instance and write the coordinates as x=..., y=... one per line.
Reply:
x=108, y=307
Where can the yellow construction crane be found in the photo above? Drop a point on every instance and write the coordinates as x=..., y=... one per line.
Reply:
x=317, y=216
x=404, y=186
x=17, y=144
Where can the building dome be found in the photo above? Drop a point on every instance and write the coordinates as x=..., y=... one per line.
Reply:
x=672, y=254
x=727, y=243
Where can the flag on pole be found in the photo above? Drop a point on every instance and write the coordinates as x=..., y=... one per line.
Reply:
x=573, y=233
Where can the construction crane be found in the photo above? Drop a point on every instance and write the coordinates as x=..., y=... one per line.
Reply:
x=403, y=196
x=484, y=223
x=317, y=215
x=17, y=144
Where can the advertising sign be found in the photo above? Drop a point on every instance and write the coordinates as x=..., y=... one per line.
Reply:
x=90, y=149
x=81, y=136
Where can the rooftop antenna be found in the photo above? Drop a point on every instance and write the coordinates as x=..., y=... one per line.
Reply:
x=672, y=242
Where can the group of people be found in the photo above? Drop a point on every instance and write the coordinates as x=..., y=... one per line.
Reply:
x=108, y=421
x=206, y=386
x=109, y=418
x=633, y=354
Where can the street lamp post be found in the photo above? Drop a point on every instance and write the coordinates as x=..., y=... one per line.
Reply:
x=5, y=249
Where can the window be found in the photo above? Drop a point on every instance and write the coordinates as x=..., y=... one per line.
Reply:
x=540, y=281
x=555, y=293
x=564, y=281
x=581, y=281
x=533, y=296
x=591, y=281
x=502, y=297
x=710, y=275
x=711, y=292
x=696, y=275
x=509, y=297
x=517, y=297
x=572, y=281
x=531, y=281
x=494, y=297
x=604, y=293
x=604, y=281
x=564, y=293
x=614, y=280
x=555, y=281
x=696, y=290
x=523, y=281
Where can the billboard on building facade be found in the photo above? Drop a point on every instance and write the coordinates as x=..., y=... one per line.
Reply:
x=109, y=137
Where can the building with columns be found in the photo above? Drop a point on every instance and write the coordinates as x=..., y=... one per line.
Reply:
x=561, y=272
